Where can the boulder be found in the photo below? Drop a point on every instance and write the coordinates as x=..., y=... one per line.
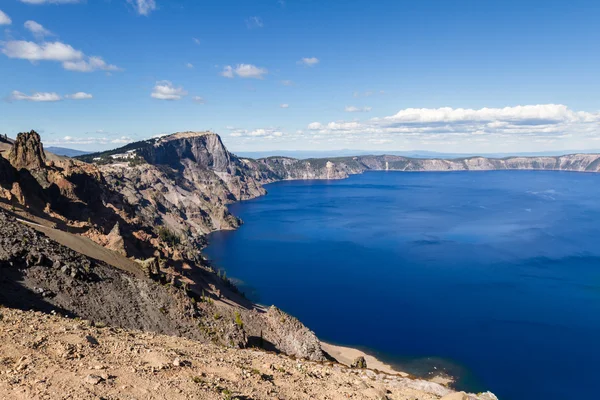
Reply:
x=359, y=362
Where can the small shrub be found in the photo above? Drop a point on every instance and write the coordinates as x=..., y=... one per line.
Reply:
x=238, y=320
x=168, y=236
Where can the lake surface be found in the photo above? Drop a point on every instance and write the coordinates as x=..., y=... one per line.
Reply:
x=494, y=275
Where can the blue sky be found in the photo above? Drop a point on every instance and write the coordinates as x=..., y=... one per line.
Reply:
x=464, y=76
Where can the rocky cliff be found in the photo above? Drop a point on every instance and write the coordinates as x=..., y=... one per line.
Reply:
x=283, y=168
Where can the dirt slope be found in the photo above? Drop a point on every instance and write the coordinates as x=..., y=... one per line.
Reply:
x=48, y=357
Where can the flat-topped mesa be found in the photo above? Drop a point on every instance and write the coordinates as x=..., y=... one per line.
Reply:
x=27, y=152
x=203, y=148
x=184, y=135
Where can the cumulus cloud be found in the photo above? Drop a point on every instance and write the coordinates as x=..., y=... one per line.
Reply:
x=309, y=61
x=227, y=72
x=262, y=133
x=37, y=96
x=530, y=114
x=354, y=109
x=189, y=65
x=37, y=29
x=287, y=83
x=79, y=96
x=250, y=71
x=143, y=7
x=89, y=65
x=122, y=140
x=446, y=125
x=48, y=51
x=244, y=71
x=254, y=22
x=71, y=59
x=199, y=100
x=164, y=90
x=285, y=105
x=4, y=19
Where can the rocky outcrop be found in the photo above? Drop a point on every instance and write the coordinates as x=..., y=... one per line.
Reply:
x=150, y=267
x=291, y=336
x=27, y=152
x=115, y=241
x=359, y=362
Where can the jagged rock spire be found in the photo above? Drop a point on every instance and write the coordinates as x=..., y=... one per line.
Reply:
x=27, y=152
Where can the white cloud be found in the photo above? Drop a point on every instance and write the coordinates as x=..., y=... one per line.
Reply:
x=354, y=109
x=227, y=72
x=244, y=71
x=309, y=61
x=164, y=90
x=189, y=65
x=254, y=22
x=285, y=106
x=50, y=1
x=37, y=96
x=4, y=19
x=265, y=133
x=47, y=51
x=71, y=59
x=199, y=100
x=261, y=133
x=467, y=127
x=143, y=7
x=531, y=114
x=79, y=96
x=89, y=65
x=122, y=140
x=196, y=40
x=250, y=71
x=287, y=83
x=37, y=29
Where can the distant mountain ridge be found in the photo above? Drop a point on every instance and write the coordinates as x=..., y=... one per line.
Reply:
x=306, y=154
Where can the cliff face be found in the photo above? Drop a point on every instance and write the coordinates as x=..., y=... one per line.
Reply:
x=182, y=184
x=338, y=168
x=201, y=157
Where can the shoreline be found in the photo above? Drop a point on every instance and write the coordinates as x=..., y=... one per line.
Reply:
x=346, y=355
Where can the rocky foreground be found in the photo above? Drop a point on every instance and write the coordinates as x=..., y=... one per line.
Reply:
x=44, y=356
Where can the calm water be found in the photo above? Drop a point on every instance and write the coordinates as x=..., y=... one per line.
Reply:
x=497, y=272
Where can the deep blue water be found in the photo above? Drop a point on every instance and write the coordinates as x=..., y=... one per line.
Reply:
x=497, y=272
